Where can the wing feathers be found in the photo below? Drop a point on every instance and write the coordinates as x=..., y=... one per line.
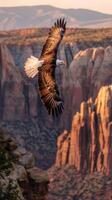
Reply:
x=53, y=104
x=61, y=23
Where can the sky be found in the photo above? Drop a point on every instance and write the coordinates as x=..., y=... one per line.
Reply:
x=99, y=5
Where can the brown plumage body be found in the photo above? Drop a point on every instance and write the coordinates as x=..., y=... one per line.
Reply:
x=48, y=88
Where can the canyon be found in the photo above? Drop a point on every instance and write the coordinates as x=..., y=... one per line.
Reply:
x=79, y=143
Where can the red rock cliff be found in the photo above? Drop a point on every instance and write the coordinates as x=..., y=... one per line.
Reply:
x=89, y=71
x=88, y=146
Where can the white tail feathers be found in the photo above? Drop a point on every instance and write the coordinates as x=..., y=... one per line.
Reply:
x=31, y=66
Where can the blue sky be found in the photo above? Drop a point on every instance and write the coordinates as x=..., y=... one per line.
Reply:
x=99, y=5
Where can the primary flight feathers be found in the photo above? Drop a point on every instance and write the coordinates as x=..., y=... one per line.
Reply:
x=45, y=68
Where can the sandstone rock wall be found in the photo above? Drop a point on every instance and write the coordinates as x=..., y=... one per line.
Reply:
x=88, y=145
x=89, y=71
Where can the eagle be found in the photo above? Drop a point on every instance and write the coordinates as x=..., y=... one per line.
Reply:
x=44, y=67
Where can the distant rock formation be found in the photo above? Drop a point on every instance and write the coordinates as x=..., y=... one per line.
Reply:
x=88, y=145
x=45, y=15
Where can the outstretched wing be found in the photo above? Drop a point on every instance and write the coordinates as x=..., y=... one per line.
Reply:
x=46, y=77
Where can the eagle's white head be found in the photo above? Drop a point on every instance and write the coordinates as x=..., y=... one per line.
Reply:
x=60, y=62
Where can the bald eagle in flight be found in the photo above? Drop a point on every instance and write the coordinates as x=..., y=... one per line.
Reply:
x=45, y=67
